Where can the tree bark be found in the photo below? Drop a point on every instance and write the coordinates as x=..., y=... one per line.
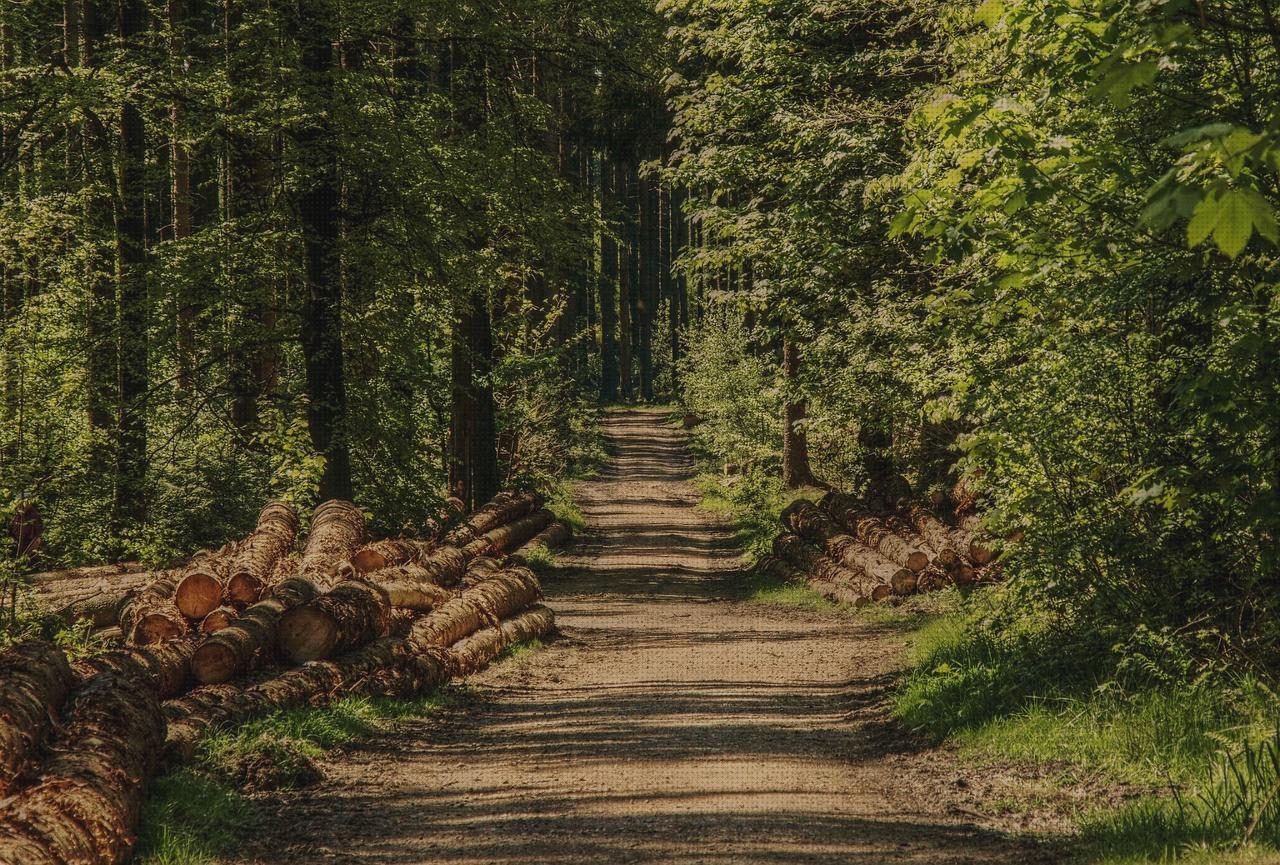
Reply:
x=473, y=439
x=388, y=553
x=473, y=653
x=876, y=533
x=337, y=531
x=200, y=583
x=795, y=443
x=626, y=281
x=35, y=679
x=151, y=616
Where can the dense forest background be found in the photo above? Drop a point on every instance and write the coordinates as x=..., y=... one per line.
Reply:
x=396, y=251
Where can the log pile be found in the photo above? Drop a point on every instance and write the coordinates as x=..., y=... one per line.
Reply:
x=79, y=742
x=855, y=552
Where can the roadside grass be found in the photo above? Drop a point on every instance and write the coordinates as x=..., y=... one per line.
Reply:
x=1203, y=754
x=561, y=503
x=521, y=652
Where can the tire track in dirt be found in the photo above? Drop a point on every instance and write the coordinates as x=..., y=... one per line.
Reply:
x=673, y=721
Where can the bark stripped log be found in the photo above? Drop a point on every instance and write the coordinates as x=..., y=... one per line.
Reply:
x=254, y=562
x=34, y=681
x=150, y=616
x=244, y=643
x=199, y=588
x=934, y=532
x=474, y=653
x=83, y=808
x=809, y=559
x=874, y=532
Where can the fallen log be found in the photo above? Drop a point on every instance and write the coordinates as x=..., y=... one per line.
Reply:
x=151, y=616
x=200, y=584
x=387, y=666
x=166, y=666
x=83, y=808
x=35, y=679
x=485, y=603
x=875, y=533
x=972, y=539
x=337, y=531
x=474, y=653
x=553, y=536
x=86, y=572
x=102, y=608
x=244, y=643
x=255, y=561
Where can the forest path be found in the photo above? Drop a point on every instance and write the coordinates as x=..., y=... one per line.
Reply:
x=673, y=722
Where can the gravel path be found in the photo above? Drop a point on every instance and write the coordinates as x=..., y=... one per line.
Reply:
x=673, y=722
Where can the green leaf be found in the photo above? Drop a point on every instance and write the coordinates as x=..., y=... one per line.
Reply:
x=990, y=13
x=1235, y=223
x=1203, y=222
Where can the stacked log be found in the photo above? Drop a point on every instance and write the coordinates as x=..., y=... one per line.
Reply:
x=877, y=534
x=553, y=536
x=394, y=631
x=200, y=584
x=388, y=553
x=505, y=508
x=807, y=558
x=807, y=520
x=34, y=680
x=87, y=572
x=934, y=532
x=507, y=537
x=84, y=805
x=151, y=616
x=254, y=562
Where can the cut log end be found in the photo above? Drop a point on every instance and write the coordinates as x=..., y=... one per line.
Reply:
x=366, y=561
x=198, y=595
x=244, y=588
x=917, y=561
x=217, y=619
x=307, y=634
x=213, y=663
x=882, y=592
x=157, y=628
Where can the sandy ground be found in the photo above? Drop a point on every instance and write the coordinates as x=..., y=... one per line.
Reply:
x=672, y=722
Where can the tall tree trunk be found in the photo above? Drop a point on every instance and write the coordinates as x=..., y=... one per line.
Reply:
x=648, y=296
x=180, y=175
x=473, y=439
x=795, y=445
x=608, y=288
x=10, y=291
x=322, y=341
x=626, y=282
x=131, y=283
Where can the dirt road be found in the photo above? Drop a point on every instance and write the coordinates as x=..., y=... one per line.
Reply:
x=674, y=722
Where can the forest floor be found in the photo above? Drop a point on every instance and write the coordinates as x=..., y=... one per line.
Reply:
x=674, y=720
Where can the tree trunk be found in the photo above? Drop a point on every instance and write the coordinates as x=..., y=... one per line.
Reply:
x=347, y=616
x=626, y=281
x=34, y=681
x=180, y=176
x=648, y=295
x=337, y=531
x=473, y=466
x=876, y=533
x=500, y=510
x=322, y=333
x=808, y=521
x=608, y=287
x=506, y=538
x=131, y=280
x=200, y=583
x=795, y=444
x=808, y=558
x=388, y=553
